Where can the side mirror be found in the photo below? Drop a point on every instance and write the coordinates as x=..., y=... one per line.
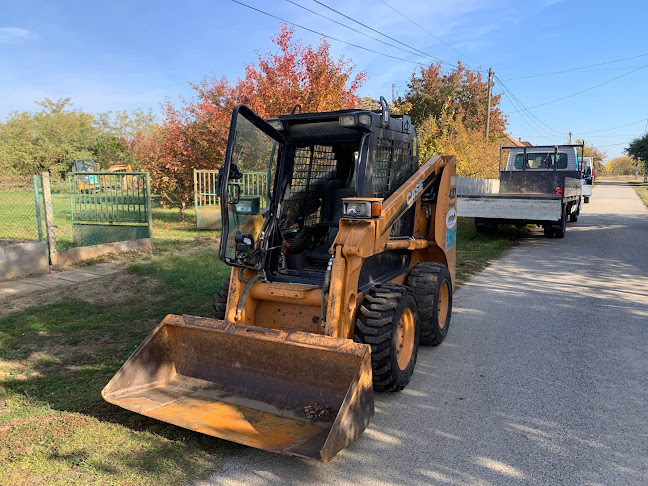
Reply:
x=244, y=242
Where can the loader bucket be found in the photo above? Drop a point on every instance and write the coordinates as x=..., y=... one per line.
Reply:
x=287, y=392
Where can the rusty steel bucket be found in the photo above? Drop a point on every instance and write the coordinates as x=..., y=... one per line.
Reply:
x=287, y=392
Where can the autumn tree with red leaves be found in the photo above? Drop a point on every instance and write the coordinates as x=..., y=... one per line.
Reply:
x=298, y=74
x=194, y=134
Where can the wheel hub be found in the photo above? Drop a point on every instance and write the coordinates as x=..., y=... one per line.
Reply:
x=405, y=339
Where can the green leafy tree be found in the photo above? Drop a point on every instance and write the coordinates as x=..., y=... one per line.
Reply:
x=46, y=140
x=116, y=130
x=638, y=151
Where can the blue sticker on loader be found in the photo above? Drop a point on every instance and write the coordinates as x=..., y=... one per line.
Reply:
x=451, y=239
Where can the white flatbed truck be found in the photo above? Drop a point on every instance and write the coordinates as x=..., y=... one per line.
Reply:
x=539, y=185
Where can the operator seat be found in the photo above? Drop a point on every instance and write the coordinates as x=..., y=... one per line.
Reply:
x=332, y=208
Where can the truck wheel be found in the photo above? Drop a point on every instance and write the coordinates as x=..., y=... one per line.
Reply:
x=585, y=199
x=220, y=301
x=389, y=322
x=485, y=225
x=432, y=286
x=560, y=232
x=548, y=232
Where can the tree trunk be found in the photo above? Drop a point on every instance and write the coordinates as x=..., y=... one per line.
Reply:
x=182, y=211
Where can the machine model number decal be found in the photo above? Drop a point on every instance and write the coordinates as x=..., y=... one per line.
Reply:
x=451, y=219
x=413, y=194
x=451, y=239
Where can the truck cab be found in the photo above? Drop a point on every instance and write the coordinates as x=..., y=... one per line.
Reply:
x=541, y=169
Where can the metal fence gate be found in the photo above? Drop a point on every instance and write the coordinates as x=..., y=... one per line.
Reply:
x=107, y=207
x=206, y=202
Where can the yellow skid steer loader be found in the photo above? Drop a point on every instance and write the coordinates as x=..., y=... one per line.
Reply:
x=334, y=284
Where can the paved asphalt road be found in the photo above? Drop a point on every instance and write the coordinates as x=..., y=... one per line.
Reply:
x=543, y=378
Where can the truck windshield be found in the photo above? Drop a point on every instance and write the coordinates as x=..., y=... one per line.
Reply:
x=541, y=161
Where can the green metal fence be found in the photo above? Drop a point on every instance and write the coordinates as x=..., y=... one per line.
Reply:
x=206, y=197
x=108, y=207
x=21, y=209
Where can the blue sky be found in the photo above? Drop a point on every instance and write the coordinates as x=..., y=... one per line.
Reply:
x=126, y=54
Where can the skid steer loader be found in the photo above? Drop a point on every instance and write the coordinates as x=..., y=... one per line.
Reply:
x=336, y=278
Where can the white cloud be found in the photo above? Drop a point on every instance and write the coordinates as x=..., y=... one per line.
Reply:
x=10, y=35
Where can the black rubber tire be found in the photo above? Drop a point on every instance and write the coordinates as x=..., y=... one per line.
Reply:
x=586, y=199
x=484, y=225
x=426, y=280
x=220, y=301
x=548, y=232
x=560, y=232
x=377, y=325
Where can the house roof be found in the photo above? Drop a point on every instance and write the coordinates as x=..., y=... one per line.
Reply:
x=518, y=143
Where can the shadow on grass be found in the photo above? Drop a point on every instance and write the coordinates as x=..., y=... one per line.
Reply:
x=59, y=357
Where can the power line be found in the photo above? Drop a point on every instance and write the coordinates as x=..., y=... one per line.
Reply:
x=384, y=35
x=612, y=145
x=424, y=29
x=351, y=28
x=528, y=120
x=577, y=68
x=328, y=36
x=530, y=113
x=592, y=87
x=614, y=128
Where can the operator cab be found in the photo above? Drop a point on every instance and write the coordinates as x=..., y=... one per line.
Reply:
x=308, y=163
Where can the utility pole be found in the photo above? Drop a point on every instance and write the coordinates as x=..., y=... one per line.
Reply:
x=393, y=94
x=488, y=102
x=570, y=138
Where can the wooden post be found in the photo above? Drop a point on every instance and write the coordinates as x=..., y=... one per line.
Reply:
x=49, y=217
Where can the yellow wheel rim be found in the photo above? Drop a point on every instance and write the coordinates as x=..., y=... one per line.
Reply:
x=405, y=339
x=444, y=303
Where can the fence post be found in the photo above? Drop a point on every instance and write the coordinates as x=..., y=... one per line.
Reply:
x=38, y=212
x=49, y=216
x=148, y=206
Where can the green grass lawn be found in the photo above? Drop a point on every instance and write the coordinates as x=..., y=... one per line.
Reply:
x=475, y=250
x=641, y=189
x=55, y=358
